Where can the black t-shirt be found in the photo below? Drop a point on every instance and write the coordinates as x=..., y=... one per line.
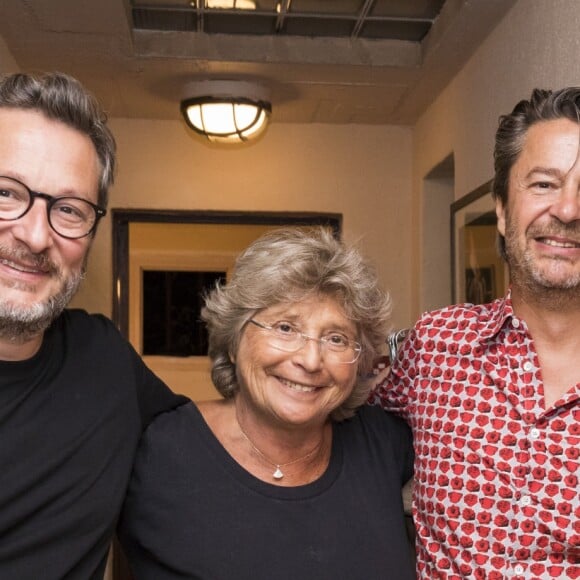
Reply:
x=193, y=512
x=70, y=420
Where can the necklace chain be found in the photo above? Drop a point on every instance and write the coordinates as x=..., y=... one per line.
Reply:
x=278, y=473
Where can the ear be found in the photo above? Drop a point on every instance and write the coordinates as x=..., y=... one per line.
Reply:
x=500, y=213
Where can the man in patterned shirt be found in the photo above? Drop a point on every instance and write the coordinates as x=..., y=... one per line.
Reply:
x=492, y=391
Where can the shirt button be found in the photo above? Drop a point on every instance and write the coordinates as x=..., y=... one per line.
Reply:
x=519, y=569
x=526, y=500
x=534, y=433
x=515, y=322
x=528, y=366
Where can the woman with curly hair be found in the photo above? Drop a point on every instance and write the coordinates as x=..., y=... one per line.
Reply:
x=286, y=476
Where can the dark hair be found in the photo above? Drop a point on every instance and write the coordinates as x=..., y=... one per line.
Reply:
x=63, y=98
x=510, y=136
x=285, y=266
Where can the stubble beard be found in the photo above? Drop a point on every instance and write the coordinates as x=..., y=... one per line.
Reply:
x=542, y=284
x=21, y=323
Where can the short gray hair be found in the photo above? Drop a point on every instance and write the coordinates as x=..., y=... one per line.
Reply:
x=63, y=98
x=287, y=265
x=510, y=136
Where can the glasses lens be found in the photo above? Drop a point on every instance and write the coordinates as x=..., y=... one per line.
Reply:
x=355, y=352
x=337, y=348
x=72, y=217
x=14, y=199
x=284, y=336
x=347, y=356
x=341, y=348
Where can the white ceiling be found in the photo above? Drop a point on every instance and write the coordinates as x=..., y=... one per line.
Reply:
x=141, y=73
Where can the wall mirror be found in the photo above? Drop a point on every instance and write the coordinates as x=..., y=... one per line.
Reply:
x=477, y=270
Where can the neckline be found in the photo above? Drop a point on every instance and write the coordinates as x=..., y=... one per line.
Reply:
x=236, y=471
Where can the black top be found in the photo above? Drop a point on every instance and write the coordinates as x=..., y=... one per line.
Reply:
x=70, y=420
x=193, y=512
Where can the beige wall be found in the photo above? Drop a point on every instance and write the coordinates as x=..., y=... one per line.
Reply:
x=535, y=45
x=373, y=175
x=362, y=172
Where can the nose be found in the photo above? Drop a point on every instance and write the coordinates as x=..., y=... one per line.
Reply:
x=310, y=355
x=33, y=229
x=566, y=208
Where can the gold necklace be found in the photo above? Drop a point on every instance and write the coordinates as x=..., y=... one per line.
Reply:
x=278, y=473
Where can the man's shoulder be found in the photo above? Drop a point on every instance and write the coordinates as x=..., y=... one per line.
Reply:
x=460, y=316
x=79, y=320
x=81, y=331
x=455, y=310
x=81, y=316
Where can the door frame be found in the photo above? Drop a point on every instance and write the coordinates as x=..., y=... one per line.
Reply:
x=122, y=218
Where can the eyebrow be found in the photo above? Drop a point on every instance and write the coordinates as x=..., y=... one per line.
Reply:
x=549, y=171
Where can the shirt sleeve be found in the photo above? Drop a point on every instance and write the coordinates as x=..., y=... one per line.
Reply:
x=153, y=395
x=395, y=392
x=150, y=394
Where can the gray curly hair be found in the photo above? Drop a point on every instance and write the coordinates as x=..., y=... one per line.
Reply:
x=287, y=265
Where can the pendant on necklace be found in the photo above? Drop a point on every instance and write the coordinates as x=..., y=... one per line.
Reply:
x=278, y=473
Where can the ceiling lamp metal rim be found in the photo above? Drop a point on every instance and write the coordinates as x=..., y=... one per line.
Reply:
x=233, y=100
x=226, y=89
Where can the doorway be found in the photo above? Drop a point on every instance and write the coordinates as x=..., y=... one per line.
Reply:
x=173, y=245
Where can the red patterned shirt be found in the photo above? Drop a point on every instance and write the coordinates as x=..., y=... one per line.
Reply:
x=496, y=475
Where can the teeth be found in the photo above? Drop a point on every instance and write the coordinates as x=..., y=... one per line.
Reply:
x=298, y=387
x=18, y=267
x=556, y=244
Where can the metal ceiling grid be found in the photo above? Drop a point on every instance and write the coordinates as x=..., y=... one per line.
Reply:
x=407, y=20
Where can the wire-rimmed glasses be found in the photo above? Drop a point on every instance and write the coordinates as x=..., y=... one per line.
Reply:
x=336, y=346
x=70, y=217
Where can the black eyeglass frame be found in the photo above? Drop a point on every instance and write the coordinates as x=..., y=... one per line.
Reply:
x=50, y=201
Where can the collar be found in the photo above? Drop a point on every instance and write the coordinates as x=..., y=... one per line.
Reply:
x=500, y=311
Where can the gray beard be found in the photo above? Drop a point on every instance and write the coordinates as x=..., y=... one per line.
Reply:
x=20, y=324
x=534, y=285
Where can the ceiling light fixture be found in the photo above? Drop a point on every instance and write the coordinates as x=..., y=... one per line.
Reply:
x=226, y=111
x=231, y=4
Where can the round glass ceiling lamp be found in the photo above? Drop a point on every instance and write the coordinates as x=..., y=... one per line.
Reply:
x=229, y=112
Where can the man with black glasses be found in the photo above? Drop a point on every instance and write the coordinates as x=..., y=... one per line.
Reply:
x=74, y=395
